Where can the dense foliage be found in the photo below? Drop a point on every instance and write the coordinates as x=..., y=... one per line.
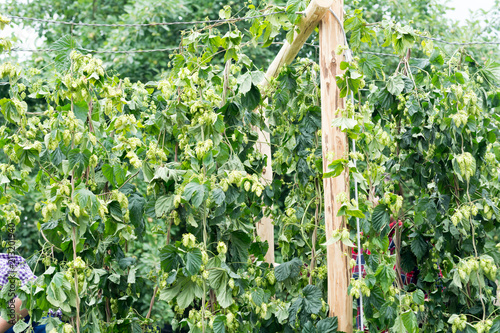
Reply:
x=149, y=192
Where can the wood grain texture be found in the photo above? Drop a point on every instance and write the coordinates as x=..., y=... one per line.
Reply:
x=316, y=10
x=333, y=140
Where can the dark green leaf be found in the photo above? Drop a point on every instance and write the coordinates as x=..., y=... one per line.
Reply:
x=164, y=205
x=193, y=261
x=195, y=192
x=380, y=218
x=169, y=258
x=312, y=299
x=219, y=324
x=115, y=210
x=328, y=325
x=252, y=98
x=289, y=269
x=385, y=276
x=419, y=246
x=258, y=296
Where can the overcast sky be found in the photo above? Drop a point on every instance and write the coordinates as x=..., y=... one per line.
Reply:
x=463, y=7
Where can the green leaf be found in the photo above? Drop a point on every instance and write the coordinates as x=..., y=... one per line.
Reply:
x=115, y=210
x=491, y=72
x=436, y=58
x=337, y=166
x=344, y=123
x=219, y=324
x=193, y=261
x=21, y=326
x=385, y=276
x=293, y=310
x=78, y=160
x=289, y=269
x=107, y=171
x=309, y=328
x=147, y=172
x=355, y=213
x=186, y=295
x=239, y=243
x=62, y=49
x=169, y=294
x=395, y=85
x=224, y=296
x=496, y=325
x=10, y=111
x=258, y=77
x=219, y=196
x=196, y=193
x=410, y=321
x=380, y=218
x=119, y=174
x=217, y=277
x=136, y=204
x=131, y=275
x=419, y=246
x=169, y=258
x=294, y=6
x=328, y=325
x=398, y=326
x=84, y=197
x=164, y=205
x=418, y=297
x=168, y=173
x=282, y=312
x=312, y=299
x=252, y=98
x=245, y=82
x=258, y=296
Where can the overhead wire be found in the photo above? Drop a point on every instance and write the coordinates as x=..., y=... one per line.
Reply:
x=115, y=25
x=230, y=20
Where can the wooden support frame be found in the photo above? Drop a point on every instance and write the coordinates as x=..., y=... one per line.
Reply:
x=333, y=140
x=313, y=14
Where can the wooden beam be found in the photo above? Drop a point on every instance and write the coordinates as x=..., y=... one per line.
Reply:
x=316, y=10
x=333, y=140
x=312, y=16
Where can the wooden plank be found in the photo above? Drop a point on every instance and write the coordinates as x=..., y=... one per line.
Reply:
x=316, y=10
x=333, y=140
x=312, y=16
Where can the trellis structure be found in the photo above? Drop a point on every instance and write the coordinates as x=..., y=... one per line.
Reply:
x=333, y=140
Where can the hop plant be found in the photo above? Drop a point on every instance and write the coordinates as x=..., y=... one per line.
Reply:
x=466, y=164
x=460, y=118
x=458, y=322
x=188, y=240
x=221, y=248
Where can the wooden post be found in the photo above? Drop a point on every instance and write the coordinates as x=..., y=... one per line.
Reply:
x=316, y=10
x=333, y=140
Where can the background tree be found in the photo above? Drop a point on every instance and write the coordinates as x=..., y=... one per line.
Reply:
x=160, y=178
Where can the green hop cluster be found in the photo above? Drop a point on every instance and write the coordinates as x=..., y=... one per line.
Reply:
x=466, y=163
x=221, y=248
x=460, y=118
x=188, y=240
x=203, y=147
x=359, y=286
x=458, y=322
x=483, y=326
